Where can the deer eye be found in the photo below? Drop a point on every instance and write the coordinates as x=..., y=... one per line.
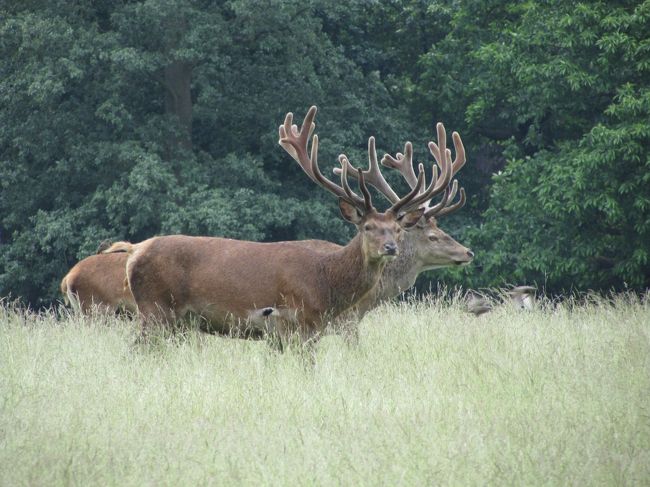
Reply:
x=433, y=238
x=369, y=227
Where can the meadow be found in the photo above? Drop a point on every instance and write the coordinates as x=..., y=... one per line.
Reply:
x=430, y=395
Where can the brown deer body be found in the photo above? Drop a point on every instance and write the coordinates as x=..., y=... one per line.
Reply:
x=424, y=247
x=227, y=282
x=99, y=280
x=176, y=275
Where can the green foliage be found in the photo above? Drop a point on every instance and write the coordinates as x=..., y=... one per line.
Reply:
x=90, y=148
x=575, y=213
x=124, y=120
x=563, y=90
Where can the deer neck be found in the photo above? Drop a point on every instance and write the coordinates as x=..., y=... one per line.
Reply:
x=401, y=273
x=351, y=275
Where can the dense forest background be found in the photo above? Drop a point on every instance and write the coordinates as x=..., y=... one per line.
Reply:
x=127, y=119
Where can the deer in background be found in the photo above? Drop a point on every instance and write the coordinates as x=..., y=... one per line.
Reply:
x=99, y=281
x=519, y=297
x=227, y=281
x=424, y=246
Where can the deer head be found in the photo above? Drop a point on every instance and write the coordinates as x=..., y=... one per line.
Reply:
x=379, y=233
x=431, y=246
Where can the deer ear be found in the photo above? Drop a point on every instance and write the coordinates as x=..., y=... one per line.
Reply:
x=350, y=212
x=408, y=220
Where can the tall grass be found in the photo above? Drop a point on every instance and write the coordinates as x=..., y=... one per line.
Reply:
x=430, y=395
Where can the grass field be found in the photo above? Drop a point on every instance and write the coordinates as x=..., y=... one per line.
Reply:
x=430, y=396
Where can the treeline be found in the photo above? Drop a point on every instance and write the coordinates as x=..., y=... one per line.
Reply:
x=124, y=119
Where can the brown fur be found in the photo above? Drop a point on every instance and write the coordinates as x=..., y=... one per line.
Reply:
x=423, y=247
x=224, y=280
x=99, y=280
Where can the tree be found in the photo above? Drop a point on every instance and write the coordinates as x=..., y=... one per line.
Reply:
x=161, y=117
x=570, y=209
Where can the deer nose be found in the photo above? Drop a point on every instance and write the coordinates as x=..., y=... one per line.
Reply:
x=470, y=254
x=390, y=248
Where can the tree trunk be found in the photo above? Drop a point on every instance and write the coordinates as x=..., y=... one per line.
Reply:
x=178, y=100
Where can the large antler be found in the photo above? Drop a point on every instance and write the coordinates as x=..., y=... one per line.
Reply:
x=442, y=155
x=296, y=141
x=444, y=207
x=404, y=164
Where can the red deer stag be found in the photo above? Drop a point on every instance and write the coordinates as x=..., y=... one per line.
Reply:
x=423, y=247
x=227, y=282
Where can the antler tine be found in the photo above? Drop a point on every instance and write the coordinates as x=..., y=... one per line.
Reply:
x=432, y=211
x=456, y=206
x=366, y=202
x=454, y=190
x=295, y=141
x=334, y=188
x=373, y=174
x=443, y=162
x=448, y=196
x=364, y=190
x=460, y=159
x=403, y=163
x=442, y=209
x=406, y=200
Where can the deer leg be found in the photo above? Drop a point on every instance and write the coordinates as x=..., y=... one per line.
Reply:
x=153, y=316
x=274, y=339
x=350, y=333
x=281, y=327
x=271, y=323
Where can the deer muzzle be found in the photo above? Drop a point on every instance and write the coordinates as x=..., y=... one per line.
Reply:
x=390, y=249
x=467, y=258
